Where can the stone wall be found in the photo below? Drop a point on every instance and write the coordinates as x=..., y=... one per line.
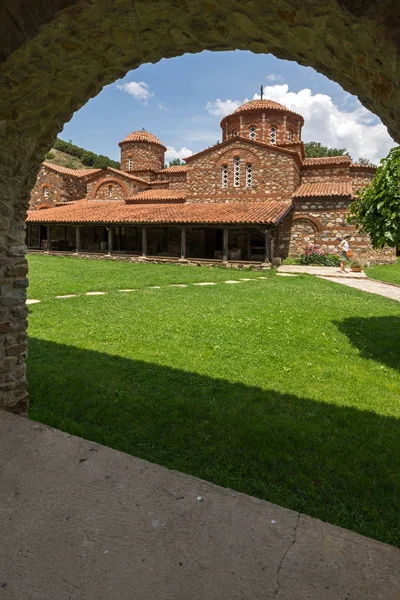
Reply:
x=61, y=188
x=275, y=174
x=146, y=156
x=317, y=174
x=122, y=186
x=240, y=123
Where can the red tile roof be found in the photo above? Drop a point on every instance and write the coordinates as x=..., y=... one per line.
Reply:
x=332, y=188
x=263, y=105
x=142, y=136
x=327, y=160
x=358, y=166
x=67, y=171
x=127, y=174
x=91, y=212
x=175, y=169
x=157, y=196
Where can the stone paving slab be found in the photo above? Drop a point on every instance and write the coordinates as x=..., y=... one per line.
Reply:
x=373, y=287
x=79, y=521
x=32, y=301
x=324, y=271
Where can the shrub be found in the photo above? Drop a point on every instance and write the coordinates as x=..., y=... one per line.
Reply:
x=50, y=155
x=313, y=255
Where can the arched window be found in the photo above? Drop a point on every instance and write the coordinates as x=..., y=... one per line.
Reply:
x=110, y=190
x=234, y=133
x=225, y=176
x=46, y=192
x=249, y=175
x=252, y=133
x=130, y=163
x=290, y=135
x=236, y=171
x=273, y=134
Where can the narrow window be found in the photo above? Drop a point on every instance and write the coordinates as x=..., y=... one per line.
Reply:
x=130, y=163
x=290, y=135
x=272, y=135
x=249, y=175
x=225, y=176
x=46, y=192
x=234, y=133
x=236, y=171
x=252, y=133
x=110, y=190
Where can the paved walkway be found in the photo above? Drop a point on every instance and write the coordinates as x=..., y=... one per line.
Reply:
x=373, y=287
x=323, y=271
x=79, y=521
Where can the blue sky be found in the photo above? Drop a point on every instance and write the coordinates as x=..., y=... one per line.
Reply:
x=182, y=100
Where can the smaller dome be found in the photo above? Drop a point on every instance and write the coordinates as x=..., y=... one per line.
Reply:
x=142, y=136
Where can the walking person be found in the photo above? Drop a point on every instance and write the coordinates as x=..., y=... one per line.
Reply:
x=345, y=252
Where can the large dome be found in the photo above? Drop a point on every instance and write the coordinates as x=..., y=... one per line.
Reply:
x=142, y=136
x=255, y=105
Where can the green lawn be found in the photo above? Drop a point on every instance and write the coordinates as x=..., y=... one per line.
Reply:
x=285, y=388
x=390, y=273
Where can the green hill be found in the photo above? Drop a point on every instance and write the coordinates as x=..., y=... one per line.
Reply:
x=68, y=155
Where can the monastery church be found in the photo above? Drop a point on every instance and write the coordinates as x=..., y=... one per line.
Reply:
x=249, y=199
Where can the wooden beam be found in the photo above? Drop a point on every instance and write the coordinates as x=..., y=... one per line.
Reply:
x=48, y=238
x=144, y=241
x=267, y=257
x=110, y=239
x=183, y=243
x=77, y=239
x=225, y=245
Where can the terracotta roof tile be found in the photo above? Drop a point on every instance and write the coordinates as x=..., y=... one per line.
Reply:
x=67, y=171
x=332, y=188
x=327, y=160
x=157, y=196
x=175, y=169
x=118, y=212
x=263, y=104
x=127, y=174
x=142, y=136
x=358, y=166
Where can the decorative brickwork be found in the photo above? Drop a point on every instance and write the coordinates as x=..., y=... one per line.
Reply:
x=53, y=187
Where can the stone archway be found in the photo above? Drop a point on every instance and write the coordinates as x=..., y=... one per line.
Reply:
x=56, y=56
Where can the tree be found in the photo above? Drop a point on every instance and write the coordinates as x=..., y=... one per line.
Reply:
x=376, y=208
x=365, y=162
x=176, y=162
x=316, y=150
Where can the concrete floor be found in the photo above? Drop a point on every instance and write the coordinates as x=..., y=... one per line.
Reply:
x=79, y=521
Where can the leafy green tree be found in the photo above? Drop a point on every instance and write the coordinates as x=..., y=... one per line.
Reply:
x=50, y=155
x=317, y=150
x=365, y=162
x=88, y=158
x=376, y=208
x=175, y=162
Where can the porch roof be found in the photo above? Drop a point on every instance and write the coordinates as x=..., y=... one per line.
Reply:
x=91, y=212
x=324, y=188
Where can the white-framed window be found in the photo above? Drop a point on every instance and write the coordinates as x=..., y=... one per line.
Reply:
x=249, y=175
x=252, y=133
x=130, y=163
x=46, y=192
x=236, y=171
x=273, y=134
x=224, y=176
x=290, y=135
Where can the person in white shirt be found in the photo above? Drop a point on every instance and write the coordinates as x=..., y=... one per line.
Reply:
x=344, y=247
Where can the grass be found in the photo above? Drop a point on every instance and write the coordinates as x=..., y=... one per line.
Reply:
x=284, y=388
x=389, y=273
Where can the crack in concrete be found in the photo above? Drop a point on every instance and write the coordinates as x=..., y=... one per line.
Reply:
x=281, y=562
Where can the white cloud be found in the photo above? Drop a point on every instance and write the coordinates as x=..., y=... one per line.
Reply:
x=137, y=89
x=274, y=77
x=356, y=129
x=172, y=153
x=221, y=108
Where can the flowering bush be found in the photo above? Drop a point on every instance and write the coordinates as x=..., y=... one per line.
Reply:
x=314, y=255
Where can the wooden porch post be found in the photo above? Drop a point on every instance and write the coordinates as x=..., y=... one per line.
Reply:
x=267, y=257
x=144, y=242
x=225, y=245
x=48, y=238
x=183, y=243
x=110, y=239
x=77, y=239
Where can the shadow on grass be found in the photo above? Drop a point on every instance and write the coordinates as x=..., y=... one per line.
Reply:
x=336, y=463
x=377, y=338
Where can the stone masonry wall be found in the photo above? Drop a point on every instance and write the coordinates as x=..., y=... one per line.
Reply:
x=62, y=188
x=146, y=156
x=275, y=175
x=123, y=186
x=262, y=121
x=325, y=173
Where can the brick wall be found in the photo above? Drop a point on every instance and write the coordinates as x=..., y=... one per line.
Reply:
x=61, y=188
x=360, y=177
x=122, y=186
x=146, y=156
x=325, y=173
x=275, y=175
x=262, y=120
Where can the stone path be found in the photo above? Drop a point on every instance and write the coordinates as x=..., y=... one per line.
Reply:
x=81, y=521
x=368, y=285
x=323, y=271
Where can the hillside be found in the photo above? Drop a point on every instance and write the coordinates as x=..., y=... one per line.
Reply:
x=68, y=155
